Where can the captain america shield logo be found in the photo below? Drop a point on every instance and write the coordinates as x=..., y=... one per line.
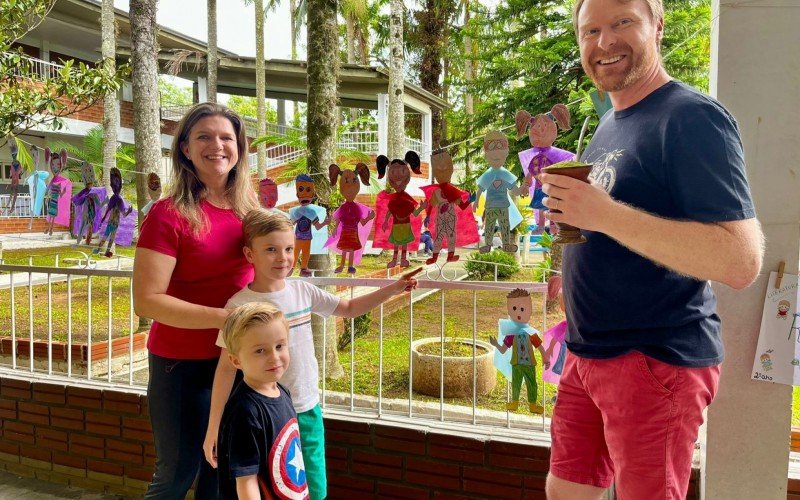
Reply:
x=286, y=463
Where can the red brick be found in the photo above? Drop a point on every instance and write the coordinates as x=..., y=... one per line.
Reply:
x=516, y=449
x=396, y=491
x=122, y=407
x=347, y=438
x=104, y=467
x=137, y=435
x=90, y=446
x=15, y=392
x=124, y=446
x=103, y=430
x=336, y=424
x=15, y=383
x=140, y=473
x=454, y=448
x=150, y=450
x=139, y=424
x=341, y=486
x=82, y=402
x=486, y=482
x=440, y=495
x=18, y=427
x=534, y=495
x=519, y=463
x=38, y=409
x=534, y=482
x=68, y=460
x=69, y=413
x=125, y=458
x=51, y=439
x=8, y=447
x=102, y=418
x=435, y=474
x=408, y=441
x=66, y=423
x=8, y=409
x=377, y=465
x=35, y=453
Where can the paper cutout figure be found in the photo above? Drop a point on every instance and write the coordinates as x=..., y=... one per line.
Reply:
x=446, y=208
x=542, y=131
x=601, y=102
x=353, y=219
x=37, y=186
x=555, y=338
x=153, y=191
x=268, y=196
x=59, y=190
x=517, y=334
x=86, y=203
x=498, y=184
x=306, y=217
x=16, y=173
x=397, y=212
x=115, y=207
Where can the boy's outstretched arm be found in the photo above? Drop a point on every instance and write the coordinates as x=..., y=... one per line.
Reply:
x=351, y=308
x=220, y=391
x=247, y=488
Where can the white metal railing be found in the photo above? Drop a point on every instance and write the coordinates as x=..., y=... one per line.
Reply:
x=251, y=124
x=365, y=141
x=22, y=207
x=38, y=67
x=98, y=304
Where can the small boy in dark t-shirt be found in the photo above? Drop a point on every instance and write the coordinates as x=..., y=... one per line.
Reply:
x=259, y=441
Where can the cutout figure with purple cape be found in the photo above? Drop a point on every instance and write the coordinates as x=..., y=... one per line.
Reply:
x=86, y=203
x=59, y=191
x=114, y=209
x=353, y=219
x=555, y=338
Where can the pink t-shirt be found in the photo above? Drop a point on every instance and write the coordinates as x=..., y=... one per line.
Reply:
x=208, y=270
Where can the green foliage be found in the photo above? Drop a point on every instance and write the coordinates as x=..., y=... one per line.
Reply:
x=542, y=270
x=361, y=326
x=248, y=107
x=174, y=95
x=23, y=105
x=482, y=265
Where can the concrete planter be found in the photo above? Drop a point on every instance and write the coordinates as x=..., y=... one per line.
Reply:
x=458, y=371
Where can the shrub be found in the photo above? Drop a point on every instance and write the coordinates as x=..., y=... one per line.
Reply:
x=482, y=265
x=361, y=324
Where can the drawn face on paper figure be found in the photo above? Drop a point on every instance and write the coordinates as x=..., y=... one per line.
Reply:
x=116, y=180
x=399, y=175
x=348, y=185
x=304, y=189
x=154, y=186
x=87, y=174
x=519, y=309
x=442, y=165
x=495, y=149
x=783, y=309
x=55, y=161
x=268, y=193
x=543, y=131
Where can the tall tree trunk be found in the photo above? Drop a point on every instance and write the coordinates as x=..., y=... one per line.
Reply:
x=293, y=35
x=351, y=53
x=468, y=76
x=443, y=140
x=556, y=251
x=261, y=89
x=396, y=134
x=323, y=70
x=433, y=22
x=213, y=54
x=110, y=102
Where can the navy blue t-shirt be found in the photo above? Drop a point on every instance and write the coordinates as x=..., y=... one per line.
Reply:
x=676, y=154
x=259, y=435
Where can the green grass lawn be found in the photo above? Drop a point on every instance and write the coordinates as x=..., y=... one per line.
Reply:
x=46, y=257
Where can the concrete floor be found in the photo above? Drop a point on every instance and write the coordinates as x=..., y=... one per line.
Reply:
x=30, y=488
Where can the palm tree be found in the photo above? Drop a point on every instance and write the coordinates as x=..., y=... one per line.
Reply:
x=323, y=70
x=213, y=54
x=110, y=102
x=146, y=123
x=396, y=87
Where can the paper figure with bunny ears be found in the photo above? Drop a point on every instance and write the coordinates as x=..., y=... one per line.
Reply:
x=448, y=217
x=86, y=203
x=306, y=218
x=59, y=190
x=498, y=183
x=16, y=174
x=153, y=191
x=542, y=130
x=353, y=219
x=398, y=211
x=114, y=209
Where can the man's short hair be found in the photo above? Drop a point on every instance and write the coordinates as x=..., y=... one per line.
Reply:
x=261, y=222
x=247, y=316
x=656, y=11
x=517, y=293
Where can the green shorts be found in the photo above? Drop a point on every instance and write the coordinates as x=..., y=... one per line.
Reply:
x=312, y=439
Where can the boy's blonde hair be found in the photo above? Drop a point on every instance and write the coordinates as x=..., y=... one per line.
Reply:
x=261, y=222
x=247, y=316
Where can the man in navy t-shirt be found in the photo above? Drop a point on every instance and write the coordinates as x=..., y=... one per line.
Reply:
x=669, y=209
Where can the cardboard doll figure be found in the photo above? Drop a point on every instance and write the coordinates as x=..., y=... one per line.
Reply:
x=88, y=201
x=446, y=209
x=352, y=217
x=498, y=183
x=399, y=209
x=304, y=217
x=57, y=187
x=268, y=195
x=16, y=173
x=542, y=131
x=36, y=184
x=114, y=209
x=556, y=337
x=153, y=192
x=517, y=334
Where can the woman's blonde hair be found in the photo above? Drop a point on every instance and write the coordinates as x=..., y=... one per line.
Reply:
x=188, y=190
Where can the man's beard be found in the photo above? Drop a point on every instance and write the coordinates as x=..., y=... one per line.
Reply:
x=616, y=82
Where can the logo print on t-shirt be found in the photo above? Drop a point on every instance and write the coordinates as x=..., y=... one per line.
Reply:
x=604, y=174
x=286, y=465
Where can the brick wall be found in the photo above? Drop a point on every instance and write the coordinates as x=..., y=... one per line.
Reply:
x=100, y=439
x=20, y=225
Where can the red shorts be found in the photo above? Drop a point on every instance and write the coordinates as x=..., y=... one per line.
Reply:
x=631, y=421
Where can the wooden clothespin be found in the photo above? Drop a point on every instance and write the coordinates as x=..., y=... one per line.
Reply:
x=781, y=266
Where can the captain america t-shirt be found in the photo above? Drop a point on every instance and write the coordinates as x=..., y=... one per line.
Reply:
x=259, y=435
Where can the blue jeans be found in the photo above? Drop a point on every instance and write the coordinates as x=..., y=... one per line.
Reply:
x=179, y=396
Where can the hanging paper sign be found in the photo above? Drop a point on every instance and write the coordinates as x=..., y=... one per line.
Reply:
x=601, y=102
x=778, y=353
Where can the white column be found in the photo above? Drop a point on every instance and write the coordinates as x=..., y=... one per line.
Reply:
x=754, y=73
x=202, y=89
x=45, y=51
x=427, y=135
x=383, y=124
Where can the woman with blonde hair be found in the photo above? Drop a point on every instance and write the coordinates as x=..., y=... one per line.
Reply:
x=188, y=263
